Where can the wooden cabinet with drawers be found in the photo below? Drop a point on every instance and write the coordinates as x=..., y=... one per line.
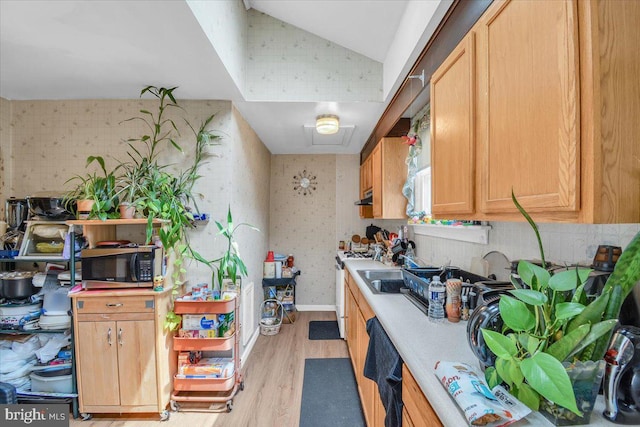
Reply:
x=125, y=361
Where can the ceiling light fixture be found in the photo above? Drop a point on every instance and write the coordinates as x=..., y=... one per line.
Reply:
x=327, y=124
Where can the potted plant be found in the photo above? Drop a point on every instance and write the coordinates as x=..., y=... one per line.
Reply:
x=96, y=195
x=132, y=184
x=228, y=267
x=550, y=333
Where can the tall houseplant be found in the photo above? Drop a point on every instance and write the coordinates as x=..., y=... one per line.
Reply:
x=548, y=324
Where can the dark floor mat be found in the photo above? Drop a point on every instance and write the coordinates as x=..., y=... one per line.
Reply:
x=330, y=395
x=324, y=330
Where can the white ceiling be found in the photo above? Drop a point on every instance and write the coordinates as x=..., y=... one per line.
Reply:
x=107, y=49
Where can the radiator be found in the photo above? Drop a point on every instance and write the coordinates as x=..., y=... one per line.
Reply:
x=248, y=309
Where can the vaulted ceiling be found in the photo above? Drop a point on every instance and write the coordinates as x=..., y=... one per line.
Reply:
x=281, y=62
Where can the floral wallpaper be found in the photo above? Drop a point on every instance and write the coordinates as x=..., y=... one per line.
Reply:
x=52, y=139
x=5, y=153
x=225, y=24
x=287, y=63
x=305, y=225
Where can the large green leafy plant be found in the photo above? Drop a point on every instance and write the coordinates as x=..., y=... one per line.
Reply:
x=549, y=323
x=101, y=189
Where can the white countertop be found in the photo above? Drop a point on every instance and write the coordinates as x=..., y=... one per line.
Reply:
x=421, y=344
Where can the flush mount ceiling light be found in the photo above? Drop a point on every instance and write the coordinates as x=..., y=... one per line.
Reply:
x=327, y=124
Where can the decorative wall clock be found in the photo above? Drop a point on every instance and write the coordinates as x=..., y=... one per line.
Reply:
x=304, y=183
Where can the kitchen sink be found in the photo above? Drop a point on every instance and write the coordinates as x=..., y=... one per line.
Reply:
x=383, y=281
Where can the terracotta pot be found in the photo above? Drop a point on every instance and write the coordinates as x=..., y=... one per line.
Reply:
x=84, y=207
x=127, y=211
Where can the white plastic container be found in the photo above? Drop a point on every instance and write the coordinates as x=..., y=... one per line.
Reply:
x=52, y=380
x=57, y=302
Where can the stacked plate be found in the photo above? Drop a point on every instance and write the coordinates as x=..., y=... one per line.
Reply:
x=55, y=322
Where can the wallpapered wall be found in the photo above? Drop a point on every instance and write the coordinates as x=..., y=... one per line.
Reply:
x=5, y=151
x=305, y=225
x=51, y=140
x=287, y=63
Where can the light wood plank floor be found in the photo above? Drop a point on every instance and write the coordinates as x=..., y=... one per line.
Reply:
x=273, y=376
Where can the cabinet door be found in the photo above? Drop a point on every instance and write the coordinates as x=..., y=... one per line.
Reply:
x=97, y=348
x=452, y=132
x=365, y=185
x=366, y=385
x=528, y=106
x=137, y=362
x=376, y=180
x=350, y=311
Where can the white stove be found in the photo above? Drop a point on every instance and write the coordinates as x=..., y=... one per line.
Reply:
x=340, y=257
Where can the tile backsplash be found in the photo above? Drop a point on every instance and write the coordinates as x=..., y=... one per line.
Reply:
x=563, y=243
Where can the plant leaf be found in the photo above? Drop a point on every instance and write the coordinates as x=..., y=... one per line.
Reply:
x=500, y=345
x=502, y=368
x=546, y=375
x=529, y=296
x=492, y=377
x=528, y=396
x=562, y=348
x=527, y=271
x=596, y=331
x=516, y=314
x=564, y=281
x=567, y=310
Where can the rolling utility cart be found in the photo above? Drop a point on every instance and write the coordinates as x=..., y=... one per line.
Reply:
x=207, y=326
x=283, y=290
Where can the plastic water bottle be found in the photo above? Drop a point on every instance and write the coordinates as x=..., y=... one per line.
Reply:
x=436, y=300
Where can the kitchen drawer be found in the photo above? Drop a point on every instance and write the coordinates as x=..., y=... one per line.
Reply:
x=415, y=402
x=115, y=304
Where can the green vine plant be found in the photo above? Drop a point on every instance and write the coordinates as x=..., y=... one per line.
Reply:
x=549, y=323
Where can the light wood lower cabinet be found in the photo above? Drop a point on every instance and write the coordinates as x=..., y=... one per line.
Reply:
x=124, y=358
x=358, y=312
x=417, y=411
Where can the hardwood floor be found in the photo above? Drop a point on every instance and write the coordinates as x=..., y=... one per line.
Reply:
x=273, y=376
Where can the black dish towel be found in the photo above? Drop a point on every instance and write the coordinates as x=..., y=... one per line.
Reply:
x=384, y=366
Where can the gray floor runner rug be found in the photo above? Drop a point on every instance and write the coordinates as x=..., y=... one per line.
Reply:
x=324, y=330
x=330, y=395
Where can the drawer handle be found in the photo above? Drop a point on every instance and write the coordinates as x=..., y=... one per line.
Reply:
x=114, y=304
x=120, y=336
x=109, y=336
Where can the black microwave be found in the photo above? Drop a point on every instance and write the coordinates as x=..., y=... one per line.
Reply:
x=126, y=267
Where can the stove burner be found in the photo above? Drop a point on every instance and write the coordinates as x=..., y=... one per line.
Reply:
x=354, y=254
x=22, y=301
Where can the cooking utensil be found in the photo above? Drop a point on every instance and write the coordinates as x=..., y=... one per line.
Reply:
x=499, y=265
x=485, y=316
x=371, y=231
x=17, y=285
x=16, y=213
x=49, y=208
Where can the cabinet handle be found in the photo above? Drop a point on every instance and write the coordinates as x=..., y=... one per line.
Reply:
x=113, y=304
x=120, y=336
x=109, y=336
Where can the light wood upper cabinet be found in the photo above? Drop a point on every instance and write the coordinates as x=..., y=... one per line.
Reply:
x=389, y=173
x=452, y=132
x=610, y=108
x=528, y=133
x=550, y=112
x=366, y=179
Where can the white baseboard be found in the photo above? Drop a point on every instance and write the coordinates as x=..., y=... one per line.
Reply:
x=315, y=307
x=249, y=346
